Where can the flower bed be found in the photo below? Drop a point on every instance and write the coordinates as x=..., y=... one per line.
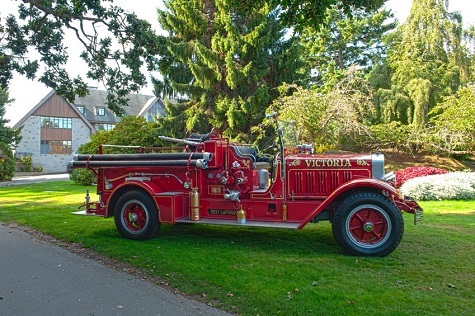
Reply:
x=449, y=186
x=406, y=174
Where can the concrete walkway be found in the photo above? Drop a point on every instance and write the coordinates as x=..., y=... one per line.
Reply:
x=37, y=278
x=32, y=178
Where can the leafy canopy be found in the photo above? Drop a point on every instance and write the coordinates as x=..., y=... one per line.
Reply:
x=116, y=44
x=130, y=131
x=333, y=119
x=302, y=13
x=425, y=63
x=454, y=121
x=345, y=40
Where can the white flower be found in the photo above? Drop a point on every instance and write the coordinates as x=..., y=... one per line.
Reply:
x=449, y=186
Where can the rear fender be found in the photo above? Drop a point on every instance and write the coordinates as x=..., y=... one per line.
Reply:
x=371, y=185
x=148, y=187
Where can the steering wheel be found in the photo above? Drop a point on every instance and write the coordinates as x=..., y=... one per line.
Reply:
x=215, y=133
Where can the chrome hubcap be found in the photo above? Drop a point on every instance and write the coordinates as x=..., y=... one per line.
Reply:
x=368, y=227
x=133, y=217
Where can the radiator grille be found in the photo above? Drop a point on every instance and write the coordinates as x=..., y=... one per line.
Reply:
x=316, y=183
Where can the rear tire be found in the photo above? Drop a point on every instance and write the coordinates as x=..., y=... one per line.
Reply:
x=368, y=224
x=136, y=216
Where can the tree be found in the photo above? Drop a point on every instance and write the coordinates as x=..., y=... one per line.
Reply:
x=425, y=63
x=346, y=40
x=303, y=13
x=130, y=131
x=334, y=119
x=41, y=26
x=8, y=138
x=455, y=135
x=469, y=40
x=8, y=135
x=225, y=62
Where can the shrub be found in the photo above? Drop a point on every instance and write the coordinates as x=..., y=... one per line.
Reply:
x=26, y=163
x=7, y=163
x=82, y=176
x=391, y=135
x=415, y=172
x=449, y=186
x=38, y=169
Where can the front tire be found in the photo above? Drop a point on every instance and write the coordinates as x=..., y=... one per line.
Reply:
x=368, y=224
x=136, y=216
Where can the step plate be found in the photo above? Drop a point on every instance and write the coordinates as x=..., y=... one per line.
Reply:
x=235, y=223
x=84, y=212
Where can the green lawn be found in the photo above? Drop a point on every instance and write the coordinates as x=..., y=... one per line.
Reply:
x=257, y=271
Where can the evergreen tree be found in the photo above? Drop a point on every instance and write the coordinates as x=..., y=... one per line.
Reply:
x=346, y=40
x=426, y=62
x=8, y=137
x=303, y=13
x=225, y=61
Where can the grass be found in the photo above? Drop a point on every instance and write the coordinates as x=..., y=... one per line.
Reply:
x=258, y=271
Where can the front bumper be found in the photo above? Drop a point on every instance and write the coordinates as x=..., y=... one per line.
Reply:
x=410, y=206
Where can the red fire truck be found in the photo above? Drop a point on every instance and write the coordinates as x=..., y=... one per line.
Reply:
x=211, y=180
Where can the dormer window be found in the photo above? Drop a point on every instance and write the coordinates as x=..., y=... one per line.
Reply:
x=81, y=109
x=100, y=111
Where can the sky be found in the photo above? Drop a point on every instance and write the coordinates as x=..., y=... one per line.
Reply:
x=27, y=93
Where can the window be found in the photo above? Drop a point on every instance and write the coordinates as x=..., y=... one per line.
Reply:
x=56, y=122
x=51, y=147
x=100, y=111
x=104, y=127
x=81, y=109
x=154, y=112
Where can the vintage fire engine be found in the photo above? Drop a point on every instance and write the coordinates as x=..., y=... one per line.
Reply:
x=212, y=180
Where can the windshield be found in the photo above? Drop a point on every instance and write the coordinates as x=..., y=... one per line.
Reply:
x=289, y=133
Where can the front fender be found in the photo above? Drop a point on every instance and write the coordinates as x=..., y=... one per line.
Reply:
x=374, y=185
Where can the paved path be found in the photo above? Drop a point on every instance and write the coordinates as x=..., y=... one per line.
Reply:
x=37, y=278
x=35, y=179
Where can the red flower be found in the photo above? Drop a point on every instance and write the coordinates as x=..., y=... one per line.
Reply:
x=415, y=172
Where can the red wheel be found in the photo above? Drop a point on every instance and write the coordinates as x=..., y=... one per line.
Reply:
x=367, y=224
x=136, y=216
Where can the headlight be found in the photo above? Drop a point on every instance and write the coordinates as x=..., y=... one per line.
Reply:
x=390, y=177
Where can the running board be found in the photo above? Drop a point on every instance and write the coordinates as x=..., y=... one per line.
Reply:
x=235, y=223
x=84, y=212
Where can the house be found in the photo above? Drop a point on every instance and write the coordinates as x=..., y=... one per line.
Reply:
x=54, y=129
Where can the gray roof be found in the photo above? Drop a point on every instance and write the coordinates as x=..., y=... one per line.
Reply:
x=138, y=104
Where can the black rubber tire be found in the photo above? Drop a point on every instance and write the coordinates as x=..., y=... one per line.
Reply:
x=368, y=224
x=136, y=216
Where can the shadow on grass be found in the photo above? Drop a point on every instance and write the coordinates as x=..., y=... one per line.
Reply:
x=316, y=239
